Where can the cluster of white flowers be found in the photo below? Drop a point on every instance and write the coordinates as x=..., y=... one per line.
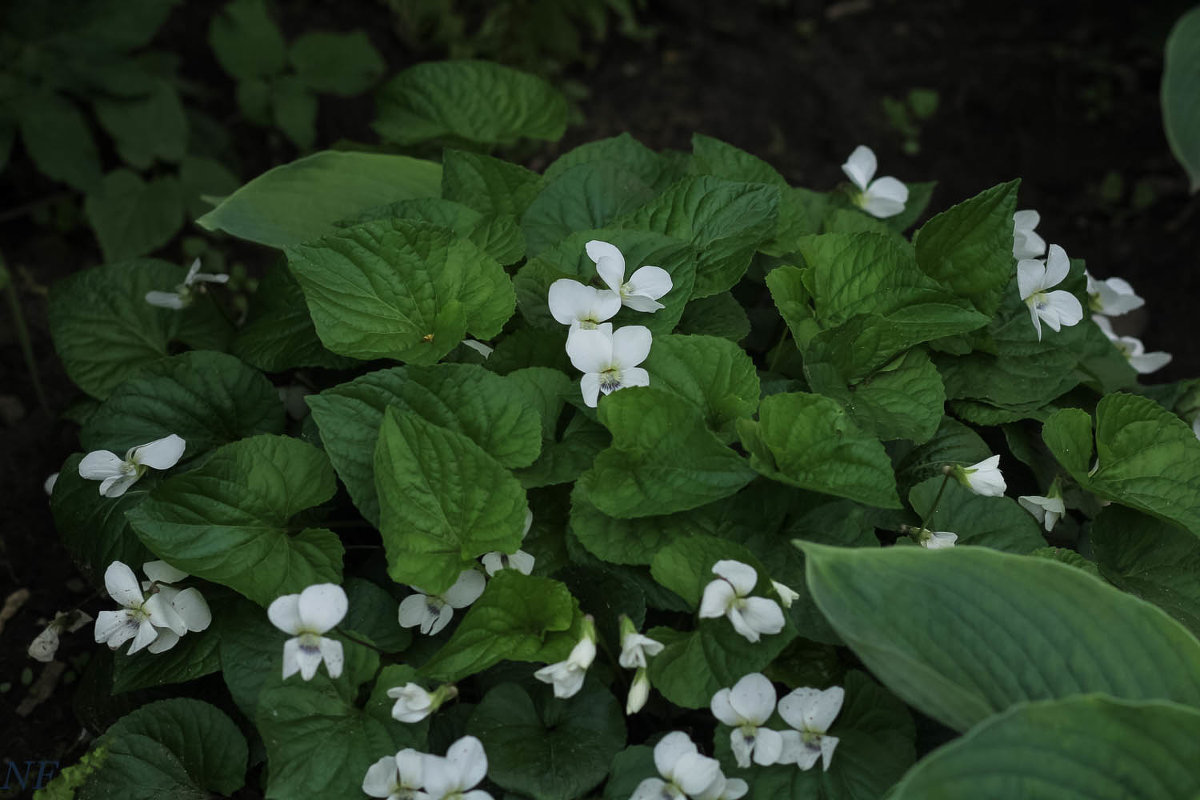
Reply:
x=410, y=774
x=729, y=596
x=749, y=705
x=881, y=197
x=1112, y=298
x=608, y=359
x=182, y=296
x=687, y=775
x=154, y=613
x=117, y=474
x=635, y=648
x=567, y=676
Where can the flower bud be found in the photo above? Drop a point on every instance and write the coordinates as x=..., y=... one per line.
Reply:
x=639, y=692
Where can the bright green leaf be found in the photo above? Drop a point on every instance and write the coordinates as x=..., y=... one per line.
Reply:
x=488, y=185
x=713, y=374
x=586, y=196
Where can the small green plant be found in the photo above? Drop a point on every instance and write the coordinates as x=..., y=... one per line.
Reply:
x=907, y=116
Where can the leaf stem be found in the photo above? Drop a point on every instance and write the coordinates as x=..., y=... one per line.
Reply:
x=937, y=499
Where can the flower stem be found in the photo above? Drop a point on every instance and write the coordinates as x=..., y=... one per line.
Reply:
x=774, y=362
x=357, y=640
x=937, y=499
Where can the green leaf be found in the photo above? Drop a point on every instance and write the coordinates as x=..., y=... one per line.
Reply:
x=809, y=441
x=443, y=501
x=1081, y=748
x=1147, y=458
x=203, y=177
x=345, y=64
x=725, y=220
x=786, y=285
x=300, y=201
x=1151, y=559
x=1021, y=384
x=716, y=315
x=713, y=157
x=473, y=101
x=545, y=748
x=1180, y=107
x=903, y=400
x=517, y=618
x=1053, y=631
x=625, y=541
x=486, y=184
x=372, y=615
x=490, y=410
x=171, y=748
x=57, y=138
x=875, y=746
x=194, y=656
x=662, y=458
x=279, y=333
x=995, y=522
x=715, y=375
x=498, y=236
x=132, y=217
x=230, y=519
x=400, y=289
x=294, y=111
x=586, y=196
x=146, y=128
x=104, y=330
x=208, y=398
x=623, y=151
x=246, y=41
x=629, y=768
x=969, y=247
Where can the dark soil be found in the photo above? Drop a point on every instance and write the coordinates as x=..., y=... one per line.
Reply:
x=1055, y=93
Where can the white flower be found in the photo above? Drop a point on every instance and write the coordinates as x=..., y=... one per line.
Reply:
x=639, y=692
x=787, y=595
x=397, y=777
x=810, y=712
x=141, y=618
x=579, y=306
x=1057, y=308
x=1112, y=297
x=685, y=773
x=414, y=704
x=883, y=197
x=45, y=644
x=479, y=347
x=727, y=597
x=745, y=708
x=315, y=611
x=48, y=486
x=432, y=612
x=1047, y=510
x=983, y=478
x=635, y=647
x=182, y=296
x=644, y=287
x=608, y=359
x=567, y=676
x=936, y=540
x=521, y=561
x=1133, y=349
x=116, y=474
x=1026, y=243
x=452, y=777
x=188, y=603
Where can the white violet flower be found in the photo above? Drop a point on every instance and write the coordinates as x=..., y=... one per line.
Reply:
x=787, y=595
x=1034, y=280
x=567, y=676
x=45, y=645
x=609, y=359
x=521, y=561
x=116, y=475
x=635, y=647
x=414, y=704
x=182, y=296
x=639, y=692
x=728, y=597
x=454, y=776
x=685, y=773
x=141, y=617
x=882, y=197
x=188, y=603
x=315, y=611
x=1112, y=296
x=1026, y=243
x=1134, y=351
x=397, y=777
x=983, y=478
x=810, y=712
x=432, y=612
x=1047, y=509
x=746, y=708
x=644, y=287
x=935, y=540
x=579, y=306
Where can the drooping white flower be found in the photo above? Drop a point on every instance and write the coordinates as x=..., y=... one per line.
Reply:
x=1034, y=280
x=1026, y=243
x=579, y=306
x=728, y=596
x=746, y=708
x=685, y=773
x=935, y=540
x=45, y=645
x=639, y=692
x=1134, y=351
x=182, y=296
x=810, y=712
x=787, y=595
x=609, y=359
x=983, y=478
x=521, y=561
x=397, y=777
x=308, y=615
x=117, y=474
x=48, y=485
x=188, y=603
x=567, y=676
x=882, y=197
x=432, y=612
x=454, y=776
x=1047, y=509
x=479, y=347
x=414, y=704
x=635, y=647
x=1112, y=296
x=141, y=617
x=645, y=285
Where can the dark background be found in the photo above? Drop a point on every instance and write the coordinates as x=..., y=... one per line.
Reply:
x=1061, y=94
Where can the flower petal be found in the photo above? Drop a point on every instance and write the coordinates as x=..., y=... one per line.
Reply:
x=291, y=656
x=1057, y=266
x=649, y=789
x=522, y=562
x=434, y=624
x=165, y=640
x=768, y=747
x=590, y=350
x=885, y=198
x=117, y=485
x=753, y=698
x=113, y=628
x=589, y=387
x=163, y=614
x=743, y=577
x=322, y=606
x=100, y=464
x=162, y=453
x=308, y=659
x=630, y=346
x=146, y=633
x=413, y=610
x=332, y=655
x=860, y=166
x=170, y=300
x=122, y=585
x=669, y=750
x=715, y=601
x=812, y=709
x=162, y=572
x=381, y=778
x=570, y=301
x=742, y=746
x=597, y=250
x=723, y=710
x=1145, y=363
x=466, y=589
x=612, y=272
x=828, y=745
x=284, y=613
x=634, y=376
x=651, y=282
x=469, y=760
x=193, y=609
x=1031, y=277
x=694, y=773
x=410, y=765
x=763, y=614
x=1067, y=308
